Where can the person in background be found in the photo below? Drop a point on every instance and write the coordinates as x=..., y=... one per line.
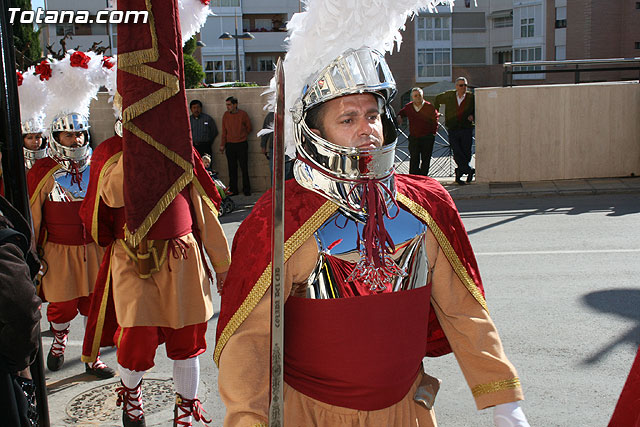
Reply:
x=423, y=124
x=459, y=115
x=203, y=128
x=236, y=128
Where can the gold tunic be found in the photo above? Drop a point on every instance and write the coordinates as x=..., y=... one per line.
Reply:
x=71, y=270
x=244, y=364
x=180, y=293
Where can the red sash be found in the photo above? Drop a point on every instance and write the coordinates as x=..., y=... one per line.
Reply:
x=63, y=223
x=362, y=353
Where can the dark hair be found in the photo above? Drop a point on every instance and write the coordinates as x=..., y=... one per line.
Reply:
x=315, y=117
x=195, y=102
x=232, y=99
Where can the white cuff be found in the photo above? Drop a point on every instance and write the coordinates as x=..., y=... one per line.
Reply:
x=509, y=415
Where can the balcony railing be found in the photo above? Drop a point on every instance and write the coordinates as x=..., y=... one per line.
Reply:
x=576, y=66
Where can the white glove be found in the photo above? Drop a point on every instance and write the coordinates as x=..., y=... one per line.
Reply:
x=509, y=415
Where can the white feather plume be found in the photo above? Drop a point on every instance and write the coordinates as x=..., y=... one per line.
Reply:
x=193, y=16
x=70, y=89
x=33, y=97
x=329, y=27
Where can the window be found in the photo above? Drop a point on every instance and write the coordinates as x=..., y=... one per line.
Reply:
x=434, y=28
x=434, y=62
x=637, y=45
x=638, y=5
x=561, y=17
x=262, y=24
x=527, y=18
x=469, y=56
x=502, y=56
x=561, y=53
x=64, y=29
x=266, y=63
x=527, y=27
x=219, y=69
x=528, y=54
x=225, y=3
x=503, y=22
x=469, y=21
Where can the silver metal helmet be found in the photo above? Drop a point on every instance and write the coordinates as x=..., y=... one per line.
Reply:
x=70, y=158
x=31, y=156
x=333, y=170
x=33, y=126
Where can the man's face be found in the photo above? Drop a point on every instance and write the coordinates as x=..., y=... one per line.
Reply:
x=352, y=121
x=231, y=107
x=416, y=97
x=461, y=87
x=72, y=139
x=32, y=141
x=196, y=109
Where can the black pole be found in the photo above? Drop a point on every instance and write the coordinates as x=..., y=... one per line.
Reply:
x=13, y=173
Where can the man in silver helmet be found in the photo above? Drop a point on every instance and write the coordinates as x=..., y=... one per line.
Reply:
x=70, y=257
x=379, y=273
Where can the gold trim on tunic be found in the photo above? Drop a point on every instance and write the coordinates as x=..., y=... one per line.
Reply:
x=448, y=250
x=495, y=386
x=264, y=282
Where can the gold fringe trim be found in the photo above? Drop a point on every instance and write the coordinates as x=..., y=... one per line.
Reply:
x=134, y=238
x=260, y=425
x=448, y=250
x=100, y=323
x=129, y=59
x=264, y=282
x=493, y=387
x=42, y=182
x=94, y=221
x=171, y=87
x=171, y=155
x=204, y=196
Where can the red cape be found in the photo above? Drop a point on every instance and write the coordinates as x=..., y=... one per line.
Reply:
x=38, y=175
x=627, y=412
x=250, y=273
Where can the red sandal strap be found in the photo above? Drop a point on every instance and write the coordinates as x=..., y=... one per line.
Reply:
x=130, y=403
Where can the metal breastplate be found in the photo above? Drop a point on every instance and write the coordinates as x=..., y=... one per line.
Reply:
x=65, y=189
x=337, y=246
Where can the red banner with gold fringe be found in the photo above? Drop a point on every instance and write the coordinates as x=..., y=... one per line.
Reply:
x=157, y=153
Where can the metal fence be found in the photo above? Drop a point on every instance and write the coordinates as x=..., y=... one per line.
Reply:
x=442, y=164
x=575, y=66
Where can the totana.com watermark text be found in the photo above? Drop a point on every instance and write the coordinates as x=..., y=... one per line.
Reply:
x=41, y=16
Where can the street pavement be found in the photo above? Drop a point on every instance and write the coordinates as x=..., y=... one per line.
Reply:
x=559, y=264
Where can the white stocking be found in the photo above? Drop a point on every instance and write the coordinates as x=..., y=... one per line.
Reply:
x=186, y=375
x=131, y=379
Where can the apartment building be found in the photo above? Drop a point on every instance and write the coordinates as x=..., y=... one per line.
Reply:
x=265, y=20
x=80, y=36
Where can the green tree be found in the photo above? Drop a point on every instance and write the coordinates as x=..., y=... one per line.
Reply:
x=25, y=39
x=193, y=73
x=190, y=46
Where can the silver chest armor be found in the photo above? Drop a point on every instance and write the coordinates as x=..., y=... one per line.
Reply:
x=338, y=237
x=66, y=191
